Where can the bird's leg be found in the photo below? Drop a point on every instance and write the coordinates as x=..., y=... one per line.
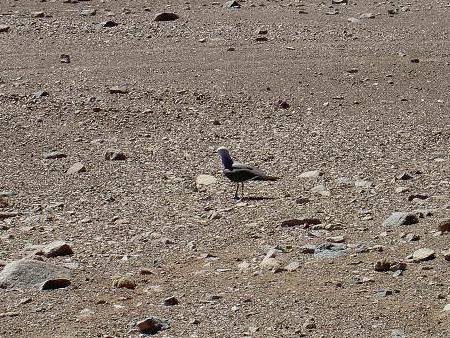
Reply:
x=236, y=197
x=242, y=191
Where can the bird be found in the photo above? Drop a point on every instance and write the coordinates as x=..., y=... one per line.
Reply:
x=239, y=172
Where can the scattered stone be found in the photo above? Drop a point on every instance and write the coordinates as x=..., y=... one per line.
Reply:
x=367, y=16
x=262, y=31
x=232, y=4
x=37, y=14
x=382, y=265
x=292, y=266
x=422, y=254
x=404, y=176
x=400, y=218
x=112, y=155
x=309, y=324
x=56, y=248
x=152, y=325
x=9, y=314
x=417, y=196
x=269, y=263
x=8, y=214
x=4, y=28
x=146, y=272
x=398, y=333
x=171, y=301
x=411, y=237
x=398, y=266
x=40, y=93
x=415, y=60
x=88, y=12
x=57, y=283
x=118, y=90
x=336, y=239
x=204, y=180
x=109, y=24
x=384, y=293
x=64, y=58
x=54, y=155
x=363, y=184
x=339, y=2
x=446, y=255
x=446, y=308
x=321, y=190
x=76, y=168
x=301, y=200
x=330, y=250
x=166, y=16
x=444, y=225
x=400, y=190
x=29, y=272
x=280, y=103
x=123, y=282
x=308, y=248
x=311, y=174
x=304, y=222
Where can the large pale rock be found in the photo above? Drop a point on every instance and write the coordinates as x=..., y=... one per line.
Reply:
x=400, y=218
x=29, y=272
x=204, y=180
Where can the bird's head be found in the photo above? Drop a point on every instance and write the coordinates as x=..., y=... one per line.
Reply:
x=224, y=154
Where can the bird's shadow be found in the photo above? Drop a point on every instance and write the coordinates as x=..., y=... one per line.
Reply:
x=255, y=198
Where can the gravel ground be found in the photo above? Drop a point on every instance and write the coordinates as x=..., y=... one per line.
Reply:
x=357, y=92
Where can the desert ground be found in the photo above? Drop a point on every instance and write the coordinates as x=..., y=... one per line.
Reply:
x=116, y=220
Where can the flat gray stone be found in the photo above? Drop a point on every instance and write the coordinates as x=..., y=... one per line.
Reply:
x=311, y=174
x=77, y=167
x=423, y=254
x=400, y=218
x=26, y=273
x=330, y=250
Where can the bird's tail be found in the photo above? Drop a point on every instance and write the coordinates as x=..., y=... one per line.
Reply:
x=269, y=178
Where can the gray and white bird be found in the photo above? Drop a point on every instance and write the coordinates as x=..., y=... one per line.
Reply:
x=239, y=172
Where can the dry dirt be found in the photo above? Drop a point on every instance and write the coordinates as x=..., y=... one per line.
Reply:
x=368, y=98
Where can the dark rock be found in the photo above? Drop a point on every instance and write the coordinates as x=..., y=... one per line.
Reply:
x=109, y=24
x=152, y=325
x=171, y=301
x=304, y=222
x=57, y=283
x=64, y=58
x=166, y=17
x=444, y=225
x=382, y=265
x=28, y=272
x=302, y=200
x=262, y=39
x=8, y=214
x=415, y=60
x=4, y=28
